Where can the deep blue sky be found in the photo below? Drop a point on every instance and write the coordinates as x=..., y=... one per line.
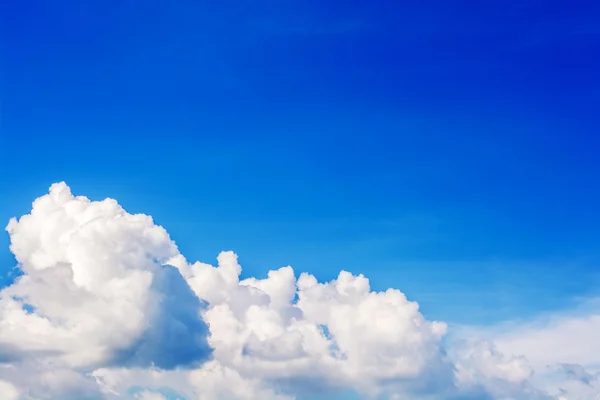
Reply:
x=446, y=148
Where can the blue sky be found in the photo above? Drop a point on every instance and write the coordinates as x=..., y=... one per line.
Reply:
x=448, y=149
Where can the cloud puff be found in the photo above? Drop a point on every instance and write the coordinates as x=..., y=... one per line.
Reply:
x=8, y=390
x=336, y=334
x=94, y=289
x=108, y=308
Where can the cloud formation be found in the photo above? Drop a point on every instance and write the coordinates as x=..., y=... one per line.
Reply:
x=579, y=373
x=562, y=348
x=107, y=307
x=9, y=392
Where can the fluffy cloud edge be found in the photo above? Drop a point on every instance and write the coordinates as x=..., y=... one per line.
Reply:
x=92, y=270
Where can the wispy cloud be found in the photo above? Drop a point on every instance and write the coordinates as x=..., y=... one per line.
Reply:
x=562, y=347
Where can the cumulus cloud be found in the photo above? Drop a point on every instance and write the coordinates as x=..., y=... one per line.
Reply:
x=93, y=286
x=107, y=307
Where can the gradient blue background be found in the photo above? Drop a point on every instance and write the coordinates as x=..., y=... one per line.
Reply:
x=446, y=148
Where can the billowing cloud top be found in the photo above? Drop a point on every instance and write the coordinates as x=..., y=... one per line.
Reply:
x=106, y=307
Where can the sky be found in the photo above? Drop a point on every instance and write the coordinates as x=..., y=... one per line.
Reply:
x=447, y=149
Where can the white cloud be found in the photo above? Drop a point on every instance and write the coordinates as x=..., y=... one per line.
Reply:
x=337, y=335
x=579, y=373
x=212, y=381
x=96, y=314
x=562, y=348
x=534, y=339
x=8, y=390
x=93, y=275
x=148, y=395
